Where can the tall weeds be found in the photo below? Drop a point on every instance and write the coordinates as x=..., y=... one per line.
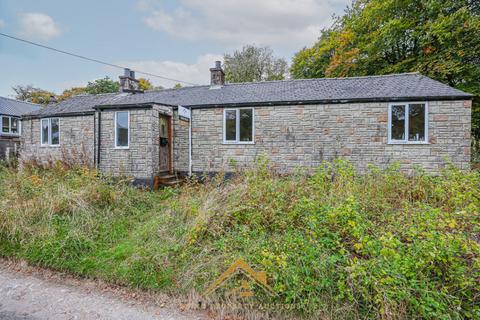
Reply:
x=336, y=243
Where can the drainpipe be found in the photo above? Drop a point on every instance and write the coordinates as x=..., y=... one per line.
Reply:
x=99, y=138
x=190, y=143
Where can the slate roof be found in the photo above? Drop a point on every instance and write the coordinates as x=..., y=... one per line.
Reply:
x=79, y=104
x=407, y=86
x=17, y=108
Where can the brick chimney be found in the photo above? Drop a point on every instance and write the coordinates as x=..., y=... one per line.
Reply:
x=217, y=76
x=128, y=83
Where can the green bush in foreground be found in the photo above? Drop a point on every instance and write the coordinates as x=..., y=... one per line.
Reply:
x=341, y=245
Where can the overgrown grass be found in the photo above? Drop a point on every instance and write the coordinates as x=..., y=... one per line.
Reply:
x=339, y=244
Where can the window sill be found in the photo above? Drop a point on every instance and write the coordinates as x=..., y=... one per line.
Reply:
x=122, y=148
x=50, y=146
x=408, y=143
x=11, y=135
x=237, y=143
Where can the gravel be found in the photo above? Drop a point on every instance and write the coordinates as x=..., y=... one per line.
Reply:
x=28, y=293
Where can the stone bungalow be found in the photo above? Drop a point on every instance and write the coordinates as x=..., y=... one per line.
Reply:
x=405, y=118
x=11, y=126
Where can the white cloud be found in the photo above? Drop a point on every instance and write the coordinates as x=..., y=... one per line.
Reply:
x=2, y=23
x=285, y=23
x=39, y=26
x=196, y=73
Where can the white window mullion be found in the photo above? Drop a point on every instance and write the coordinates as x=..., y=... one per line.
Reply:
x=237, y=125
x=407, y=116
x=225, y=125
x=426, y=122
x=49, y=132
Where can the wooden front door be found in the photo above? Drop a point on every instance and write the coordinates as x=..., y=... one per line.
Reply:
x=165, y=163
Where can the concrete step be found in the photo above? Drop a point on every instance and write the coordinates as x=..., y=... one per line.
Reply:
x=172, y=183
x=167, y=177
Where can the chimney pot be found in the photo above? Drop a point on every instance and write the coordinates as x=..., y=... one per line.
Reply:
x=126, y=72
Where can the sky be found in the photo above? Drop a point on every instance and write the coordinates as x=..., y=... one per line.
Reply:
x=176, y=39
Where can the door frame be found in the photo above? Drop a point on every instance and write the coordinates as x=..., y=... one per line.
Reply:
x=170, y=144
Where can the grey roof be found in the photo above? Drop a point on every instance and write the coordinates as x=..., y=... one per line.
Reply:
x=395, y=87
x=17, y=108
x=78, y=104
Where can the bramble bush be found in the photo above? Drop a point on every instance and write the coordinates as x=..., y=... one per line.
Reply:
x=341, y=244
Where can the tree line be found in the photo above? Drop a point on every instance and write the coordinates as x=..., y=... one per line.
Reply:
x=37, y=95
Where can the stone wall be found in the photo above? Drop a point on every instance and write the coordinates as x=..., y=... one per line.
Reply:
x=76, y=141
x=290, y=136
x=306, y=135
x=140, y=160
x=136, y=161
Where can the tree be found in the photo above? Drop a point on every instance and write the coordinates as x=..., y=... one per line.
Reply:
x=177, y=86
x=254, y=64
x=31, y=94
x=105, y=85
x=439, y=38
x=68, y=93
x=144, y=84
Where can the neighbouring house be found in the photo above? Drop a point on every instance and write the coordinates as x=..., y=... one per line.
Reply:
x=406, y=118
x=11, y=127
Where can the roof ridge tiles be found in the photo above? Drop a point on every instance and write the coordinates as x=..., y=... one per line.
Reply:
x=325, y=78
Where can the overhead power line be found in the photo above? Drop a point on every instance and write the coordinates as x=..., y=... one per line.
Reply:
x=93, y=60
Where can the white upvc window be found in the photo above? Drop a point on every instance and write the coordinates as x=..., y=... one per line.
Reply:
x=239, y=126
x=122, y=129
x=50, y=132
x=408, y=123
x=10, y=125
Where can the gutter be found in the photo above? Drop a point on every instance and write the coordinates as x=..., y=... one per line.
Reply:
x=331, y=101
x=147, y=105
x=52, y=115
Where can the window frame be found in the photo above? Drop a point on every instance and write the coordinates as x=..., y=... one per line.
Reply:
x=128, y=130
x=407, y=125
x=237, y=126
x=49, y=133
x=10, y=133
